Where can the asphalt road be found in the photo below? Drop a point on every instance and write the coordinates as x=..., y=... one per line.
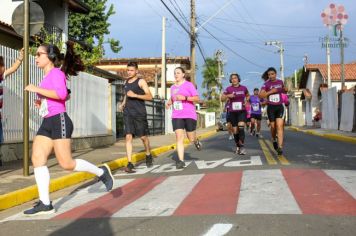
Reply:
x=310, y=190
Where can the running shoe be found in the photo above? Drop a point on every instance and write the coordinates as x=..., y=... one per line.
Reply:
x=130, y=168
x=275, y=145
x=40, y=209
x=149, y=160
x=180, y=164
x=237, y=150
x=231, y=137
x=198, y=144
x=242, y=151
x=107, y=177
x=279, y=151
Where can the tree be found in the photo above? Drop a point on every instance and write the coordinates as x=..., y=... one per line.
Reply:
x=211, y=83
x=291, y=79
x=91, y=28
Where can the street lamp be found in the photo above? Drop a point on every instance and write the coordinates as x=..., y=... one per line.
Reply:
x=279, y=45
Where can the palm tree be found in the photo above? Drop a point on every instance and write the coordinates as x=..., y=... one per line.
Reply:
x=210, y=74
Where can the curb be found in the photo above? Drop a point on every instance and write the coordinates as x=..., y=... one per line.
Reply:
x=336, y=137
x=27, y=194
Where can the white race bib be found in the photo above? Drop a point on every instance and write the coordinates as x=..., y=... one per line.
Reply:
x=255, y=106
x=43, y=108
x=237, y=106
x=178, y=105
x=274, y=98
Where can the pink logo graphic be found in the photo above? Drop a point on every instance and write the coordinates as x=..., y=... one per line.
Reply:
x=334, y=15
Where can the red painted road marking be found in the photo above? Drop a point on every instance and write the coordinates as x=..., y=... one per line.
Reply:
x=317, y=193
x=112, y=202
x=215, y=194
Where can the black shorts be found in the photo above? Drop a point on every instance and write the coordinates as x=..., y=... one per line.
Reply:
x=237, y=116
x=181, y=123
x=248, y=120
x=59, y=126
x=256, y=116
x=136, y=126
x=275, y=111
x=228, y=119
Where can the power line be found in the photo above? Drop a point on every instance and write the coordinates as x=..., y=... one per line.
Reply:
x=175, y=17
x=222, y=43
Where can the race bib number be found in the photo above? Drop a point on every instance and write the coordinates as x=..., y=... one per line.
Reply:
x=237, y=106
x=43, y=108
x=274, y=98
x=255, y=106
x=178, y=105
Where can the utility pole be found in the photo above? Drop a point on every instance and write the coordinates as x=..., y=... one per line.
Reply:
x=26, y=41
x=163, y=68
x=218, y=56
x=342, y=58
x=192, y=40
x=328, y=60
x=279, y=45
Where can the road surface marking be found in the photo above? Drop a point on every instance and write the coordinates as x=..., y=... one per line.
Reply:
x=219, y=230
x=281, y=158
x=346, y=178
x=265, y=192
x=268, y=155
x=163, y=200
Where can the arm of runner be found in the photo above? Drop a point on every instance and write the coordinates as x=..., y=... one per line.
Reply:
x=44, y=92
x=169, y=103
x=123, y=104
x=147, y=96
x=15, y=65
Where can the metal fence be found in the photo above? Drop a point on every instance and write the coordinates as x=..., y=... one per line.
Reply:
x=88, y=106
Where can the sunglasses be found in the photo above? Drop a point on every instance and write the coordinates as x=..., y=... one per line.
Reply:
x=38, y=54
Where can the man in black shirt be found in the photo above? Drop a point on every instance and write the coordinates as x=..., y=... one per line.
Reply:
x=135, y=116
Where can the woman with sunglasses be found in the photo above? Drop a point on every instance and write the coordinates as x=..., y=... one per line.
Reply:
x=56, y=128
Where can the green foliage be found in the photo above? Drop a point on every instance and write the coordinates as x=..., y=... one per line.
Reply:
x=212, y=84
x=91, y=29
x=291, y=78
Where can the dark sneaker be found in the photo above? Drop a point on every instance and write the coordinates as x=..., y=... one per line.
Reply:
x=275, y=145
x=107, y=177
x=40, y=209
x=242, y=151
x=149, y=160
x=198, y=144
x=130, y=168
x=279, y=151
x=180, y=164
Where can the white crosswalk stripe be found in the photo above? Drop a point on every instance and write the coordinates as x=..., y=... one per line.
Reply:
x=265, y=192
x=346, y=178
x=163, y=199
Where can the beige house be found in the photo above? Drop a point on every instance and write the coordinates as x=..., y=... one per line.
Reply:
x=149, y=69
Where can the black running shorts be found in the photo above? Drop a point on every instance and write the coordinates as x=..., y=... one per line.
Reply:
x=228, y=119
x=237, y=116
x=256, y=116
x=136, y=126
x=275, y=112
x=59, y=126
x=188, y=124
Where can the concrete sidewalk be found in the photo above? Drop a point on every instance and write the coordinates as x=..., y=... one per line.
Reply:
x=17, y=189
x=337, y=135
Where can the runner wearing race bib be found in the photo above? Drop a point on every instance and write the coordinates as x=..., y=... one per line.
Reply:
x=256, y=113
x=272, y=90
x=237, y=95
x=184, y=116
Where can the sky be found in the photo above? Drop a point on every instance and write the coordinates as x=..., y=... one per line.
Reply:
x=240, y=30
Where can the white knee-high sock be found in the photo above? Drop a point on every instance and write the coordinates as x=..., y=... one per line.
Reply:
x=42, y=179
x=82, y=165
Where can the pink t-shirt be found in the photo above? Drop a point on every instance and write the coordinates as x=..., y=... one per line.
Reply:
x=183, y=109
x=55, y=80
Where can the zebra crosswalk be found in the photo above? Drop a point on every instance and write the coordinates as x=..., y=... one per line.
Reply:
x=276, y=191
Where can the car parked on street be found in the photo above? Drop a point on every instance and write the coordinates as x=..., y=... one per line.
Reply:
x=222, y=124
